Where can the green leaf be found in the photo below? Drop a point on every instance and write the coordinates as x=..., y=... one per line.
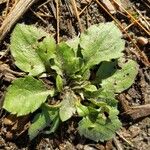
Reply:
x=101, y=43
x=53, y=112
x=106, y=69
x=23, y=43
x=93, y=113
x=90, y=91
x=25, y=95
x=59, y=83
x=74, y=44
x=56, y=66
x=92, y=94
x=39, y=123
x=108, y=97
x=68, y=105
x=90, y=88
x=86, y=75
x=46, y=50
x=100, y=130
x=122, y=79
x=47, y=118
x=82, y=110
x=54, y=125
x=69, y=62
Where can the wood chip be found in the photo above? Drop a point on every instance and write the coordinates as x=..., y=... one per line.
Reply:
x=9, y=75
x=109, y=6
x=139, y=111
x=119, y=3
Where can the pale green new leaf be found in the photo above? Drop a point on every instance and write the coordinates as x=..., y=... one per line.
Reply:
x=68, y=105
x=90, y=88
x=59, y=83
x=56, y=65
x=108, y=97
x=82, y=110
x=25, y=95
x=70, y=63
x=74, y=44
x=122, y=79
x=100, y=130
x=101, y=43
x=23, y=43
x=46, y=50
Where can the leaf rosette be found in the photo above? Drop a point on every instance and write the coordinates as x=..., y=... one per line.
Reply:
x=87, y=73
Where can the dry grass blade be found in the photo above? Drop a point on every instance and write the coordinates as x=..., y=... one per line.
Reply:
x=139, y=24
x=142, y=19
x=85, y=8
x=74, y=5
x=18, y=10
x=38, y=16
x=57, y=18
x=117, y=144
x=109, y=6
x=124, y=139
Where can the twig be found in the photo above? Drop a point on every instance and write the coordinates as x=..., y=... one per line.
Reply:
x=57, y=18
x=132, y=17
x=117, y=144
x=44, y=3
x=77, y=14
x=126, y=28
x=20, y=8
x=53, y=8
x=7, y=6
x=123, y=138
x=145, y=21
x=36, y=14
x=5, y=53
x=85, y=8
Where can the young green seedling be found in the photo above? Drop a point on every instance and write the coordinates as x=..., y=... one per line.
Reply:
x=87, y=73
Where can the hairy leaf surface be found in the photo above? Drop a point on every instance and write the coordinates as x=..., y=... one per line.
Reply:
x=70, y=63
x=46, y=50
x=68, y=107
x=25, y=95
x=122, y=79
x=23, y=42
x=100, y=130
x=101, y=43
x=74, y=44
x=47, y=118
x=59, y=83
x=106, y=69
x=39, y=123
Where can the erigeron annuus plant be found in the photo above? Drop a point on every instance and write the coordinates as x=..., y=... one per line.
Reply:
x=86, y=73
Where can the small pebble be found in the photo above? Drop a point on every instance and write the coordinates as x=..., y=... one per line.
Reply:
x=135, y=130
x=142, y=40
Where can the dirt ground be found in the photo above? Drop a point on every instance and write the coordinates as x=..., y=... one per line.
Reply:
x=65, y=19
